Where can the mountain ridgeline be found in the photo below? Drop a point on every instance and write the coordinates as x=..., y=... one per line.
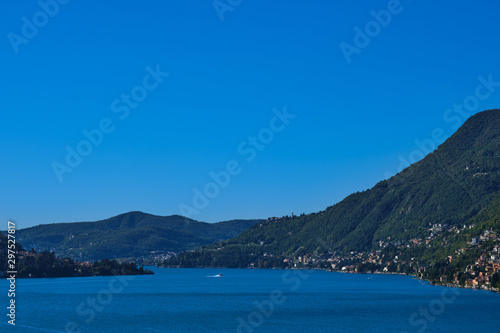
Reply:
x=454, y=185
x=128, y=236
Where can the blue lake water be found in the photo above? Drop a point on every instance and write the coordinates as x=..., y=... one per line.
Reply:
x=244, y=300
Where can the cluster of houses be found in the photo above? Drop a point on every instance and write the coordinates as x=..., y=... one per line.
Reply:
x=479, y=274
x=155, y=258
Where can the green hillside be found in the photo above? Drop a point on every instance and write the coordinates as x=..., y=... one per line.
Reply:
x=452, y=186
x=29, y=264
x=131, y=235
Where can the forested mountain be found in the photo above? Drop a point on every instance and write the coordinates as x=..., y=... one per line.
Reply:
x=128, y=236
x=453, y=186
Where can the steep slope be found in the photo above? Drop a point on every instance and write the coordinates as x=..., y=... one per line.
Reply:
x=449, y=186
x=129, y=235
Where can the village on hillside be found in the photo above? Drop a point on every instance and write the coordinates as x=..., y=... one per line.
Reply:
x=398, y=257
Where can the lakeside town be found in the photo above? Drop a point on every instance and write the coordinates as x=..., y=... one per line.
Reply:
x=398, y=257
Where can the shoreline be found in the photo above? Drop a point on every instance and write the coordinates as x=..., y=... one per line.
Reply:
x=449, y=285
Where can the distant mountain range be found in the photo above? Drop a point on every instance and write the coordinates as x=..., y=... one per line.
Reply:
x=128, y=236
x=419, y=213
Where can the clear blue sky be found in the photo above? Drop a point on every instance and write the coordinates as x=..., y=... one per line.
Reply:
x=353, y=120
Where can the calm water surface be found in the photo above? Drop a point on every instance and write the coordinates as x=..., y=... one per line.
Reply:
x=243, y=300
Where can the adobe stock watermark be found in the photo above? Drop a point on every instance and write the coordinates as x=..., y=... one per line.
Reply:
x=373, y=28
x=249, y=149
x=455, y=116
x=89, y=309
x=11, y=266
x=223, y=6
x=420, y=319
x=30, y=26
x=121, y=107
